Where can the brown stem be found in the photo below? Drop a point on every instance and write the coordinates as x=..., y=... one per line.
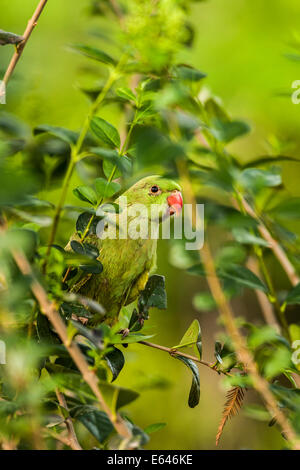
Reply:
x=267, y=310
x=274, y=245
x=73, y=441
x=265, y=305
x=20, y=47
x=59, y=437
x=175, y=352
x=239, y=343
x=49, y=309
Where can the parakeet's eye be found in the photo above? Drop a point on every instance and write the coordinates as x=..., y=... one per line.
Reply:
x=154, y=189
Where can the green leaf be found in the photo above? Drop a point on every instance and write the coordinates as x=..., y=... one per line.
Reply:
x=96, y=421
x=188, y=73
x=277, y=362
x=112, y=158
x=256, y=179
x=106, y=189
x=192, y=336
x=154, y=147
x=126, y=93
x=115, y=361
x=125, y=396
x=60, y=132
x=69, y=309
x=77, y=247
x=83, y=221
x=241, y=275
x=293, y=296
x=84, y=262
x=154, y=427
x=154, y=294
x=262, y=335
x=94, y=53
x=288, y=397
x=92, y=267
x=215, y=110
x=194, y=395
x=9, y=38
x=244, y=277
x=85, y=249
x=197, y=270
x=242, y=235
x=86, y=193
x=131, y=338
x=228, y=131
x=232, y=253
x=95, y=335
x=8, y=408
x=106, y=132
x=44, y=331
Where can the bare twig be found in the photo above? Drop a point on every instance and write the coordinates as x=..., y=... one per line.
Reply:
x=72, y=438
x=49, y=309
x=239, y=343
x=20, y=47
x=174, y=352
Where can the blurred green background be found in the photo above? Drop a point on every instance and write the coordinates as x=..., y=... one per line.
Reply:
x=241, y=45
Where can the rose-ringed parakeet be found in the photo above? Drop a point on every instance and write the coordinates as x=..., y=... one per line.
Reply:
x=128, y=260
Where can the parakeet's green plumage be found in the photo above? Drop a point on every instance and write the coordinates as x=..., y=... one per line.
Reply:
x=127, y=262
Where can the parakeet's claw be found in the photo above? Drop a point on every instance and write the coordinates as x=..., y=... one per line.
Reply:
x=124, y=333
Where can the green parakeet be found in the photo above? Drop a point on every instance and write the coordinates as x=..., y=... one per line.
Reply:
x=128, y=257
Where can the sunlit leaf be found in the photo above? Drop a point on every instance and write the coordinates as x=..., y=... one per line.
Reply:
x=105, y=132
x=106, y=189
x=86, y=194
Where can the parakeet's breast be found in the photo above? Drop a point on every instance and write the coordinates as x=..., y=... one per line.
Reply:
x=126, y=266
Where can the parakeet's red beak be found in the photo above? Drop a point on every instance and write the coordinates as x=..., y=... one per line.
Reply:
x=175, y=202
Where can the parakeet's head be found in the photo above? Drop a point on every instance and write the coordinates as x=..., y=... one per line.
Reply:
x=161, y=196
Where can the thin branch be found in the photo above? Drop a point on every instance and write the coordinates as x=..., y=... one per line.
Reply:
x=265, y=305
x=58, y=437
x=174, y=352
x=239, y=343
x=73, y=441
x=20, y=47
x=273, y=244
x=267, y=310
x=49, y=309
